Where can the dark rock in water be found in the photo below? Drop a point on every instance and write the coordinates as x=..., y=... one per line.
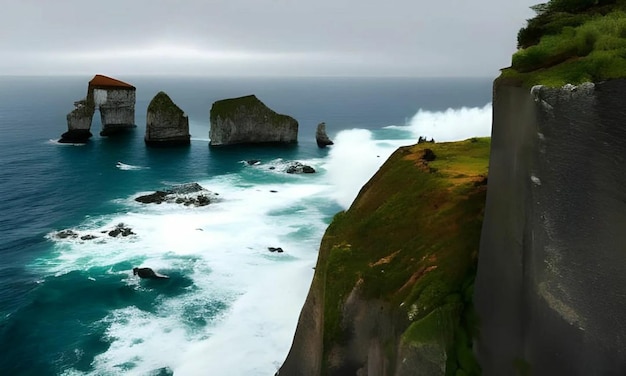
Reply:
x=187, y=194
x=66, y=234
x=273, y=190
x=165, y=371
x=275, y=249
x=253, y=162
x=298, y=168
x=153, y=198
x=246, y=120
x=321, y=137
x=148, y=273
x=429, y=155
x=272, y=168
x=121, y=229
x=88, y=237
x=166, y=123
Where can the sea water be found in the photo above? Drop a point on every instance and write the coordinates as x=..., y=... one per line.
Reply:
x=70, y=306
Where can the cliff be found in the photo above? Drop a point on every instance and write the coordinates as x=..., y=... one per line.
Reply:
x=392, y=290
x=549, y=288
x=247, y=120
x=166, y=123
x=113, y=98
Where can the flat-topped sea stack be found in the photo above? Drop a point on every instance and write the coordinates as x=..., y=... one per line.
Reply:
x=166, y=123
x=246, y=120
x=321, y=137
x=116, y=101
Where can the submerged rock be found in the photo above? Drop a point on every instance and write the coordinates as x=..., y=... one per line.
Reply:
x=166, y=123
x=247, y=120
x=321, y=137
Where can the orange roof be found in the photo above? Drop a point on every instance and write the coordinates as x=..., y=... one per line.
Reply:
x=107, y=82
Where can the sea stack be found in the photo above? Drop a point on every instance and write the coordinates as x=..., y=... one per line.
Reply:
x=166, y=123
x=321, y=137
x=246, y=120
x=115, y=100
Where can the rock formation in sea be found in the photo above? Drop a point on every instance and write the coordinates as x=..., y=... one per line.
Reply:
x=246, y=120
x=321, y=137
x=166, y=123
x=113, y=98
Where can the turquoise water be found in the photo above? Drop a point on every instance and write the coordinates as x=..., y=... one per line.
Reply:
x=72, y=306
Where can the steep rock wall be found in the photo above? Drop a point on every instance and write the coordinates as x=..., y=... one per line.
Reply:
x=550, y=287
x=246, y=120
x=117, y=112
x=166, y=123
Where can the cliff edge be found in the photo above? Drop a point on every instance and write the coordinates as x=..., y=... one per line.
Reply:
x=550, y=286
x=247, y=120
x=392, y=290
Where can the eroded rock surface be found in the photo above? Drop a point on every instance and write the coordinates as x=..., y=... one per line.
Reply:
x=247, y=120
x=166, y=123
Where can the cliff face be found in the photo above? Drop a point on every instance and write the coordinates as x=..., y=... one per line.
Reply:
x=166, y=123
x=247, y=120
x=550, y=284
x=392, y=290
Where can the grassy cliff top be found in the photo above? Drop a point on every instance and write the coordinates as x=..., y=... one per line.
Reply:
x=571, y=41
x=411, y=239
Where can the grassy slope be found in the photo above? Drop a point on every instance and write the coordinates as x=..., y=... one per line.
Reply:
x=571, y=45
x=411, y=238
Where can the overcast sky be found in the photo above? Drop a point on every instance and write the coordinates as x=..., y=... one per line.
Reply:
x=260, y=37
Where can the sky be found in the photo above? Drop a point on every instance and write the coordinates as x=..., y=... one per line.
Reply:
x=407, y=38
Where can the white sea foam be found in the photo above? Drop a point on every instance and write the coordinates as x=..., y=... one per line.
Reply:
x=128, y=167
x=353, y=160
x=223, y=249
x=451, y=124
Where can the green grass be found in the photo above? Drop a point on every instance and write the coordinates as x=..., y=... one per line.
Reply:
x=591, y=49
x=411, y=239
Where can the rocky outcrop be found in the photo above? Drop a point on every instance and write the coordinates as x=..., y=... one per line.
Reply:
x=299, y=168
x=550, y=282
x=247, y=120
x=113, y=98
x=191, y=194
x=392, y=289
x=166, y=123
x=321, y=137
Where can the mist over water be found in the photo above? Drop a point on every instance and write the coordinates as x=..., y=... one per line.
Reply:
x=230, y=305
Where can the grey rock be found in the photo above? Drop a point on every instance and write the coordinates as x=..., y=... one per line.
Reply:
x=247, y=120
x=321, y=137
x=166, y=123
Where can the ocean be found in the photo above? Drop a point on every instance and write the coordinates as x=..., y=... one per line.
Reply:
x=71, y=306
